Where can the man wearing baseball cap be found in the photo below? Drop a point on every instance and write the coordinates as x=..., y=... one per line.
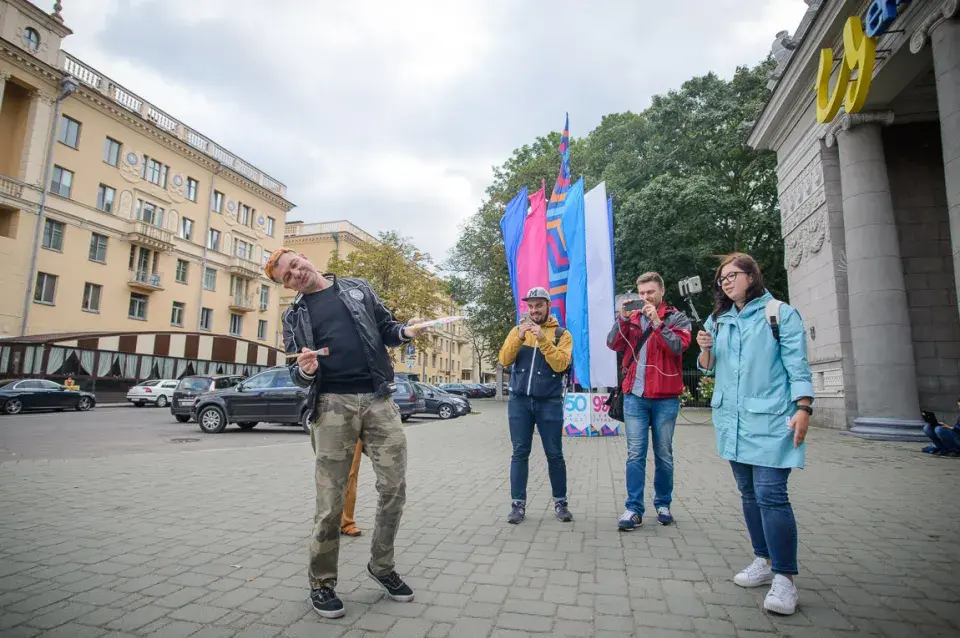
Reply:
x=539, y=351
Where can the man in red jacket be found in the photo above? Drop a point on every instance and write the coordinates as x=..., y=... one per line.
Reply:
x=653, y=340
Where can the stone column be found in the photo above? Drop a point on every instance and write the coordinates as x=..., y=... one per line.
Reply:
x=4, y=76
x=884, y=366
x=34, y=154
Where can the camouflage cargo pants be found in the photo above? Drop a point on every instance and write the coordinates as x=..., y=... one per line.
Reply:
x=339, y=420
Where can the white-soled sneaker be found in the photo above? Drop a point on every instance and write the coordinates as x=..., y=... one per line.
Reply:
x=782, y=597
x=755, y=574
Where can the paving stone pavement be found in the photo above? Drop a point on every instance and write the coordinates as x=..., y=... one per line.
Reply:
x=213, y=543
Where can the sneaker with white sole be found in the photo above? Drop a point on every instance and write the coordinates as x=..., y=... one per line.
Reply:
x=629, y=521
x=782, y=597
x=755, y=574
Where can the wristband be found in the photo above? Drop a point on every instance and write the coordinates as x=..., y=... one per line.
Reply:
x=806, y=408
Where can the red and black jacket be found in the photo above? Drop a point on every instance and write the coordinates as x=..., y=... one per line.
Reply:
x=665, y=347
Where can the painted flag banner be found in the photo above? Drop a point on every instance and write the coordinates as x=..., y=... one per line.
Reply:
x=558, y=262
x=532, y=254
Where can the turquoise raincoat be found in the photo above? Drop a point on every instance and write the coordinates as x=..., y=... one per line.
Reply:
x=757, y=384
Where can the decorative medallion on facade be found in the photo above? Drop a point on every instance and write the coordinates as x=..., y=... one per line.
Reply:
x=133, y=159
x=802, y=197
x=806, y=240
x=126, y=205
x=231, y=205
x=178, y=180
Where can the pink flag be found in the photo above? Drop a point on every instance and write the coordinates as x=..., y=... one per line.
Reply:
x=532, y=255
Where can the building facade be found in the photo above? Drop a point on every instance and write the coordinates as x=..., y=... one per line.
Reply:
x=865, y=119
x=149, y=226
x=448, y=357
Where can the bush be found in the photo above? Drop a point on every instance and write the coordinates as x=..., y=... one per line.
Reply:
x=686, y=396
x=705, y=388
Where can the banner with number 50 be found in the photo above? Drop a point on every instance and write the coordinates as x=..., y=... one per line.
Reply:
x=586, y=414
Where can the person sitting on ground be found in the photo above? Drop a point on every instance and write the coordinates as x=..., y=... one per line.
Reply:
x=946, y=438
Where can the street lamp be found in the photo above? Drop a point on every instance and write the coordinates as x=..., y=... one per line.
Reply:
x=68, y=85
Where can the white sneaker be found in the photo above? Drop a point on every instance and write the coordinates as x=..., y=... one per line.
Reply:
x=755, y=574
x=782, y=597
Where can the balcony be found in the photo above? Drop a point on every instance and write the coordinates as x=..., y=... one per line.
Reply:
x=151, y=236
x=145, y=281
x=244, y=268
x=242, y=303
x=109, y=89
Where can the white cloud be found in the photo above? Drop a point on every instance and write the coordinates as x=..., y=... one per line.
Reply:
x=391, y=114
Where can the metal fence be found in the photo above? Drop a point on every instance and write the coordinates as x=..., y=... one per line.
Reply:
x=691, y=379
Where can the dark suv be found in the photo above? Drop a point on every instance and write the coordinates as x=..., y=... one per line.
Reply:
x=190, y=388
x=269, y=396
x=409, y=399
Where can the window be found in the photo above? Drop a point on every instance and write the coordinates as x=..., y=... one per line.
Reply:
x=69, y=131
x=243, y=216
x=105, y=195
x=213, y=239
x=192, y=189
x=262, y=330
x=236, y=324
x=150, y=213
x=98, y=248
x=46, y=289
x=91, y=297
x=206, y=318
x=217, y=202
x=31, y=39
x=53, y=235
x=271, y=225
x=62, y=181
x=138, y=306
x=111, y=151
x=182, y=267
x=210, y=279
x=243, y=249
x=264, y=297
x=176, y=314
x=154, y=171
x=186, y=228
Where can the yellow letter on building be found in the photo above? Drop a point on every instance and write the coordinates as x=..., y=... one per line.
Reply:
x=859, y=53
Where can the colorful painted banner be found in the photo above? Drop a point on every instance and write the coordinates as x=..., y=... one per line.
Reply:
x=559, y=264
x=586, y=414
x=532, y=254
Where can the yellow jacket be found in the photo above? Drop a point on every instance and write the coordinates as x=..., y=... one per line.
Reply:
x=557, y=355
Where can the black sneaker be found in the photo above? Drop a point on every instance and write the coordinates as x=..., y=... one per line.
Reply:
x=326, y=603
x=563, y=514
x=517, y=512
x=393, y=585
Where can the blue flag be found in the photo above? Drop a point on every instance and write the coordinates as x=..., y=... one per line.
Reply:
x=574, y=231
x=511, y=225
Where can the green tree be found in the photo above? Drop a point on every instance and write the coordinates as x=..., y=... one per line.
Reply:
x=686, y=189
x=400, y=274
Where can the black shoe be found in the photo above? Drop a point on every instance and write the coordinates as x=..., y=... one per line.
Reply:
x=393, y=585
x=517, y=512
x=326, y=603
x=563, y=514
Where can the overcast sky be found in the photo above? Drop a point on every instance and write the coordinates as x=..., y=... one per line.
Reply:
x=391, y=114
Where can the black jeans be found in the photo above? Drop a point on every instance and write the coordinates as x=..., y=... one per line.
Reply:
x=547, y=415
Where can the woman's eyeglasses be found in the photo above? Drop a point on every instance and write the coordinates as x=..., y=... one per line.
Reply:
x=730, y=277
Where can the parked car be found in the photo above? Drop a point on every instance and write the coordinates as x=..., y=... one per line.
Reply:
x=189, y=388
x=462, y=390
x=158, y=392
x=269, y=397
x=409, y=399
x=445, y=406
x=21, y=395
x=482, y=389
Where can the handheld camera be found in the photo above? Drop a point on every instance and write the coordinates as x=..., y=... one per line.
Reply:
x=688, y=288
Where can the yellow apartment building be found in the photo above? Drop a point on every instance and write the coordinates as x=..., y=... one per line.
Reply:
x=445, y=360
x=149, y=227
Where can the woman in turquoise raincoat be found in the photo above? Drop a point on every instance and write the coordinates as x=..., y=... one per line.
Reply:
x=761, y=411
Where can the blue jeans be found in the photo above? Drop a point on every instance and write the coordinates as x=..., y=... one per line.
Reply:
x=946, y=439
x=659, y=418
x=769, y=516
x=547, y=415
